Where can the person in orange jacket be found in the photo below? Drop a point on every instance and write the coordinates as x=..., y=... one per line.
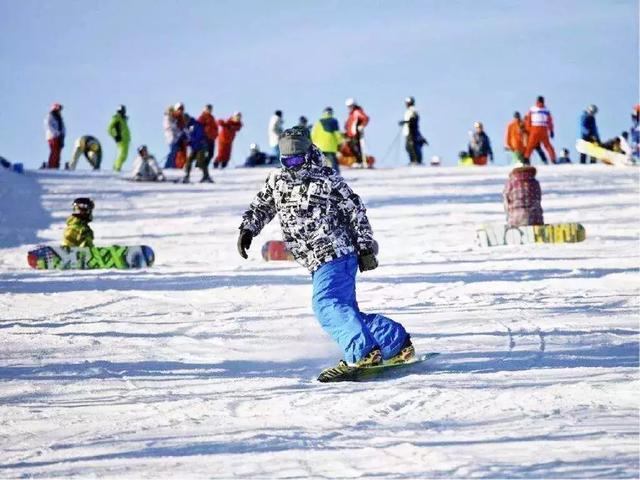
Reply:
x=514, y=138
x=354, y=126
x=539, y=125
x=210, y=125
x=227, y=130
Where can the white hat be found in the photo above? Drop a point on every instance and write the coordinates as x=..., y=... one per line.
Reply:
x=178, y=106
x=350, y=102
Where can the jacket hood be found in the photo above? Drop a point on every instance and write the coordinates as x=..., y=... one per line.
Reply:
x=524, y=172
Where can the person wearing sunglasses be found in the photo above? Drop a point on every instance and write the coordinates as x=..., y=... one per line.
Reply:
x=325, y=226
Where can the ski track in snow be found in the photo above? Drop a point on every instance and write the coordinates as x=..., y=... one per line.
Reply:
x=204, y=365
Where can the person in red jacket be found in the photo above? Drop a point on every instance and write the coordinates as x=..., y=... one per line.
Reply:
x=354, y=126
x=227, y=130
x=522, y=196
x=539, y=125
x=210, y=125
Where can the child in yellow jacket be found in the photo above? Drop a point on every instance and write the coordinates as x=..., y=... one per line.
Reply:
x=78, y=232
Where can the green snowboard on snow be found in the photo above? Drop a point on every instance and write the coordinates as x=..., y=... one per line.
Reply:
x=357, y=374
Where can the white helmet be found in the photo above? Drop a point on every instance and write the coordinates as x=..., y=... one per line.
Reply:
x=253, y=146
x=350, y=102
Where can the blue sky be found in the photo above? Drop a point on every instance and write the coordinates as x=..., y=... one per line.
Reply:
x=462, y=60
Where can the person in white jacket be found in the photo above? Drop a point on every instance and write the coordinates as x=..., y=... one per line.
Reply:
x=146, y=168
x=276, y=127
x=172, y=135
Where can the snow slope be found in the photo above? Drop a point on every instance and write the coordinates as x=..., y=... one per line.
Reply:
x=204, y=366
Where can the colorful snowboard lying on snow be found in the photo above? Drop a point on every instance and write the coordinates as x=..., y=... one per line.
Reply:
x=492, y=235
x=604, y=155
x=276, y=250
x=357, y=374
x=87, y=258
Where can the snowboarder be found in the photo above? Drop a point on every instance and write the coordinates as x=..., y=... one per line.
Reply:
x=180, y=117
x=89, y=147
x=325, y=227
x=480, y=145
x=589, y=130
x=514, y=138
x=565, y=156
x=210, y=125
x=227, y=132
x=303, y=122
x=257, y=158
x=411, y=132
x=78, y=232
x=275, y=130
x=326, y=135
x=54, y=125
x=146, y=168
x=119, y=131
x=198, y=146
x=634, y=132
x=522, y=196
x=539, y=125
x=354, y=126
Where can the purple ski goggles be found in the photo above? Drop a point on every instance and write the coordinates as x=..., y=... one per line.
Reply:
x=293, y=162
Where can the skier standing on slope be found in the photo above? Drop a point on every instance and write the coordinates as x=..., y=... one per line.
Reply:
x=119, y=130
x=539, y=125
x=326, y=135
x=634, y=132
x=199, y=153
x=54, y=125
x=411, y=131
x=354, y=126
x=589, y=130
x=210, y=125
x=274, y=131
x=78, y=232
x=227, y=133
x=514, y=138
x=325, y=226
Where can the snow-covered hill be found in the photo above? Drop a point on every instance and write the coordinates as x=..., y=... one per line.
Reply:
x=204, y=365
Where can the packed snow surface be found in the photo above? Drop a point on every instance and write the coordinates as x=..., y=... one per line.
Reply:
x=204, y=365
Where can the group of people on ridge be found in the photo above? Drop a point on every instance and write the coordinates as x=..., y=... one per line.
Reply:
x=534, y=132
x=196, y=140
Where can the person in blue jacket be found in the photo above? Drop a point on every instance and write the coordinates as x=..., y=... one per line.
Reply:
x=326, y=229
x=589, y=129
x=199, y=150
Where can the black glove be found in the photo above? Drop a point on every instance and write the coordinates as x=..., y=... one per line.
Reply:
x=401, y=122
x=551, y=134
x=244, y=242
x=117, y=138
x=367, y=261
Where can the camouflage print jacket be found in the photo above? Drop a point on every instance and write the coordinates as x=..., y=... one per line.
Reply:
x=321, y=217
x=77, y=234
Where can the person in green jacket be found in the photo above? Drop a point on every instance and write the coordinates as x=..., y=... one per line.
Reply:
x=326, y=135
x=78, y=232
x=119, y=130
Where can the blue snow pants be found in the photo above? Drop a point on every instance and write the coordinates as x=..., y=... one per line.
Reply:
x=335, y=306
